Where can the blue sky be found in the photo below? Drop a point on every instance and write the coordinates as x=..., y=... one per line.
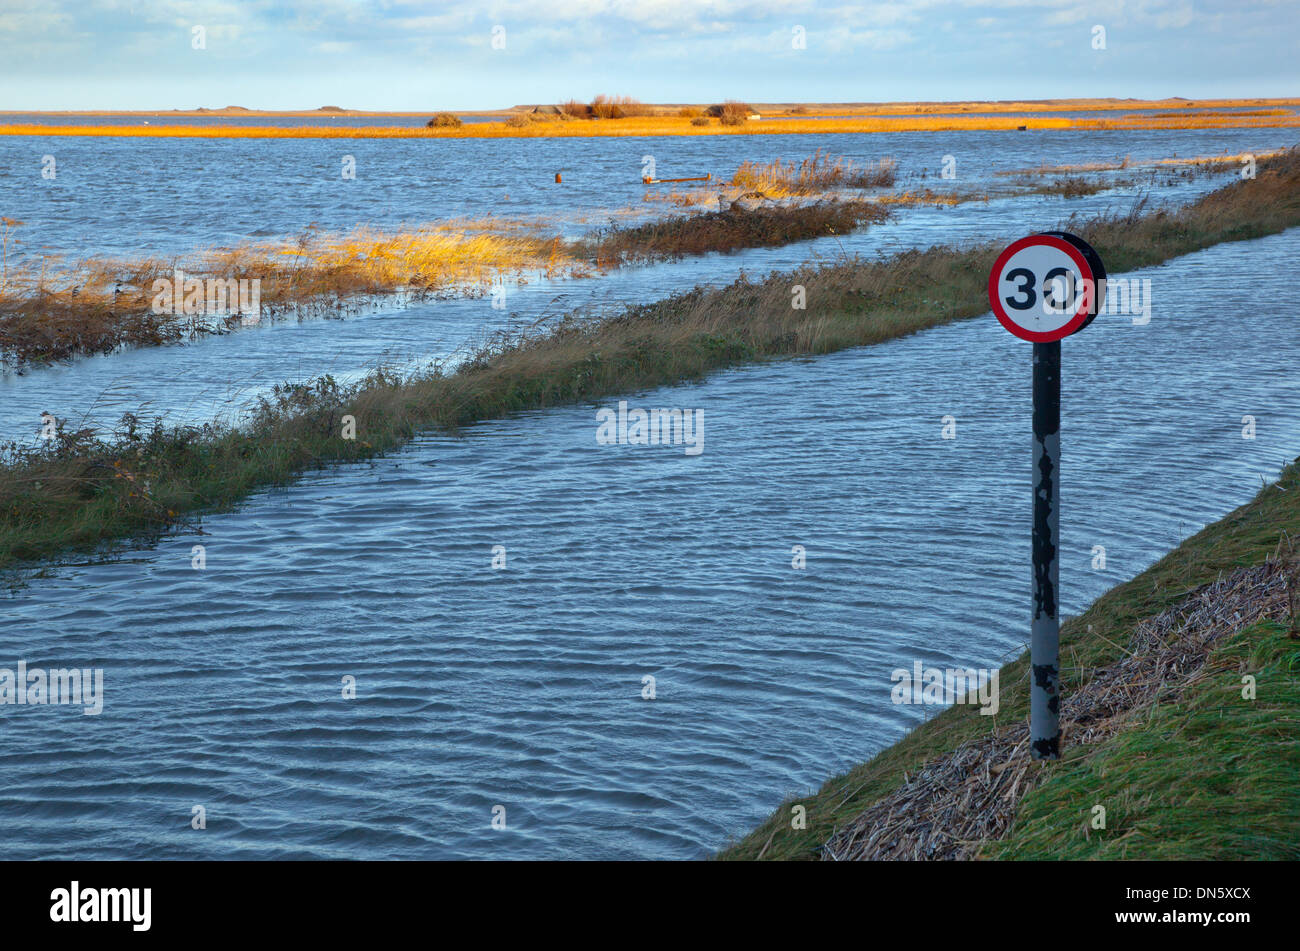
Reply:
x=388, y=54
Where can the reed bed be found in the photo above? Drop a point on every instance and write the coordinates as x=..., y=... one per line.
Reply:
x=1198, y=114
x=724, y=231
x=96, y=306
x=816, y=174
x=1019, y=107
x=70, y=493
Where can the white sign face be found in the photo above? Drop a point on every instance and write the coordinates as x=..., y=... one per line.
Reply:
x=1041, y=288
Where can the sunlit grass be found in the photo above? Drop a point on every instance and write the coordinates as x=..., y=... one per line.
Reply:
x=50, y=310
x=816, y=174
x=522, y=126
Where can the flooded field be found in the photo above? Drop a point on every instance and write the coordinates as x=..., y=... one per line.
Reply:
x=522, y=686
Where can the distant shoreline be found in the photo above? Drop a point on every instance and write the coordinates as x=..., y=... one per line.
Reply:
x=773, y=108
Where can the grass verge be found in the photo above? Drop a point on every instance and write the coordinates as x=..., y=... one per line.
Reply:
x=1197, y=772
x=79, y=490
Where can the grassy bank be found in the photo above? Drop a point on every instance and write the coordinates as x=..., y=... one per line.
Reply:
x=1156, y=728
x=80, y=489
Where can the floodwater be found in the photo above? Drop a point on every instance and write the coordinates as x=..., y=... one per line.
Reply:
x=148, y=196
x=518, y=691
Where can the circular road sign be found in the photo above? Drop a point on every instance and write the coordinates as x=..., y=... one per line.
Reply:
x=1047, y=286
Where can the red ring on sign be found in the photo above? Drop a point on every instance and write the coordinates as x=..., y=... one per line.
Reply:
x=999, y=310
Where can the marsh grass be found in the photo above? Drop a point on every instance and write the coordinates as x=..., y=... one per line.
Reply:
x=71, y=493
x=1070, y=187
x=1210, y=112
x=96, y=306
x=816, y=174
x=727, y=231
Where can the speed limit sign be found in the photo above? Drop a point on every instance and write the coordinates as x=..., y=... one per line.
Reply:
x=1047, y=286
x=1043, y=288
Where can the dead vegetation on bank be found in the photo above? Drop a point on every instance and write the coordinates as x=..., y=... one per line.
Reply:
x=957, y=804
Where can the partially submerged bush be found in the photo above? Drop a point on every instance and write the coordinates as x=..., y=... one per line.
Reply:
x=741, y=227
x=816, y=174
x=1071, y=187
x=445, y=120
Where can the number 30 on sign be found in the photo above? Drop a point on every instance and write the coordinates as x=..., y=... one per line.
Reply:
x=1047, y=286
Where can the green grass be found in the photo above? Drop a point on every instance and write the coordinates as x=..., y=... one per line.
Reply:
x=1232, y=748
x=1213, y=776
x=83, y=490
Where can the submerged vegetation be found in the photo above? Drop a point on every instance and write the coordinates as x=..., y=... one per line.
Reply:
x=1205, y=164
x=1071, y=187
x=730, y=230
x=48, y=312
x=814, y=175
x=99, y=305
x=80, y=489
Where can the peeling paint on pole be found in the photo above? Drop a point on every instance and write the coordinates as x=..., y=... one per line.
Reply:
x=1045, y=631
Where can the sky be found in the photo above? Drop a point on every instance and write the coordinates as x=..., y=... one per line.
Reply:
x=395, y=55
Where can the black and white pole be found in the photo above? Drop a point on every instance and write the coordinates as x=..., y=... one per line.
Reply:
x=1044, y=627
x=1042, y=289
